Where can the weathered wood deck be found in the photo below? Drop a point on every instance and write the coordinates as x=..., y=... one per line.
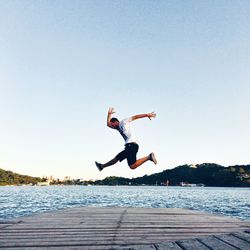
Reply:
x=125, y=228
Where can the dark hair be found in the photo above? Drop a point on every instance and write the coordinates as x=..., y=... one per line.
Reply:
x=114, y=119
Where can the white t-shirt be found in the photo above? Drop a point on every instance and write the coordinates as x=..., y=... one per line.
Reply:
x=125, y=130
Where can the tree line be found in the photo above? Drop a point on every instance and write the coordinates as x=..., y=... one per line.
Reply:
x=208, y=174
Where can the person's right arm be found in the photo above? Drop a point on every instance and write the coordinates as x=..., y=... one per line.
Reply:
x=110, y=112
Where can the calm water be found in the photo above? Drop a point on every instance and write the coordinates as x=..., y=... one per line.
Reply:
x=19, y=201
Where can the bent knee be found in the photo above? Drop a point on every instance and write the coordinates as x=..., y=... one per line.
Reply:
x=133, y=166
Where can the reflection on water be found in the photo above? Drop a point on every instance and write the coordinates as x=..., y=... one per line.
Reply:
x=19, y=201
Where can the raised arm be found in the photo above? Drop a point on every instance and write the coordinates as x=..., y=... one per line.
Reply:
x=110, y=112
x=149, y=115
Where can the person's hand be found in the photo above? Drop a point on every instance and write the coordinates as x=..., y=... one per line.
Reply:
x=111, y=111
x=151, y=115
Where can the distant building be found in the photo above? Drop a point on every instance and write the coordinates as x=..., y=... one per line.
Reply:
x=192, y=166
x=165, y=183
x=186, y=184
x=44, y=183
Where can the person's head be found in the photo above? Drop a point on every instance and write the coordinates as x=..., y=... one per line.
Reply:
x=114, y=122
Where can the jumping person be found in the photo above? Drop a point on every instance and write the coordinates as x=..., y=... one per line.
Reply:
x=131, y=146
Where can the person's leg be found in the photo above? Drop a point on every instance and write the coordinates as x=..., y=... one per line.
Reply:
x=120, y=157
x=139, y=162
x=110, y=163
x=133, y=162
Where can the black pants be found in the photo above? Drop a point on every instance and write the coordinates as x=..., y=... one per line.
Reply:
x=129, y=153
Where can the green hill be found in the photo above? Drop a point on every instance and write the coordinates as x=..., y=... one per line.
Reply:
x=10, y=178
x=209, y=174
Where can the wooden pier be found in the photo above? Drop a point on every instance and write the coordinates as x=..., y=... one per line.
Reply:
x=125, y=228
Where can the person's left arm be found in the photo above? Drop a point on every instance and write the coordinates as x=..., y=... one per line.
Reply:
x=149, y=116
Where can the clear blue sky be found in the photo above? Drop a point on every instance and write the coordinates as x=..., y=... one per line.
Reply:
x=63, y=63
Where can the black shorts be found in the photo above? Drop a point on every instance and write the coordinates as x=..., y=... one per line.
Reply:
x=129, y=152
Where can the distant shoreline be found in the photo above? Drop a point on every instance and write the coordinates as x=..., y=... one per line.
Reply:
x=124, y=186
x=206, y=174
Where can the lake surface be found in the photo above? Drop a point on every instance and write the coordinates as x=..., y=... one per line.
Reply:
x=26, y=200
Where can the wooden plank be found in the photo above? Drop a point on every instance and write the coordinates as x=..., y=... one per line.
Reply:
x=162, y=223
x=110, y=228
x=192, y=245
x=83, y=247
x=243, y=236
x=123, y=226
x=135, y=223
x=58, y=235
x=117, y=211
x=114, y=226
x=118, y=240
x=94, y=247
x=98, y=233
x=168, y=246
x=163, y=230
x=136, y=226
x=130, y=215
x=62, y=244
x=136, y=247
x=234, y=241
x=215, y=243
x=130, y=218
x=126, y=225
